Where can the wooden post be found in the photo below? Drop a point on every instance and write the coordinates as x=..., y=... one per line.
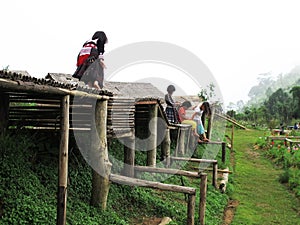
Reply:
x=215, y=174
x=191, y=210
x=232, y=134
x=4, y=112
x=202, y=203
x=129, y=156
x=223, y=152
x=181, y=141
x=99, y=152
x=166, y=147
x=152, y=139
x=210, y=122
x=63, y=162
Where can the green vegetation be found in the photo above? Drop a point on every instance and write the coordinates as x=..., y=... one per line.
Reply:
x=262, y=199
x=28, y=187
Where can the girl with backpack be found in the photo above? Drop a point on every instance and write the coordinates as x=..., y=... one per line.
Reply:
x=90, y=61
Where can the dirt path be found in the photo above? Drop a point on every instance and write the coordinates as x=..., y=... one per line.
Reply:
x=258, y=196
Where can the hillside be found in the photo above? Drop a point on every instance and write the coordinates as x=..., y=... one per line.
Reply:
x=28, y=187
x=268, y=85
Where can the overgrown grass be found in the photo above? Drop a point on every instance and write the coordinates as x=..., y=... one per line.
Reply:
x=28, y=187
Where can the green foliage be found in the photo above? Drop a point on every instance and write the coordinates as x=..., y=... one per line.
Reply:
x=28, y=188
x=289, y=159
x=207, y=93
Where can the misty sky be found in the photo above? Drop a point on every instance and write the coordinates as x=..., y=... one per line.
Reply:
x=236, y=40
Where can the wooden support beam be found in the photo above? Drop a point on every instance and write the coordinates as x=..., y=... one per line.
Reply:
x=4, y=112
x=129, y=156
x=223, y=152
x=166, y=148
x=194, y=160
x=152, y=139
x=210, y=122
x=161, y=186
x=166, y=171
x=99, y=152
x=202, y=203
x=63, y=162
x=181, y=150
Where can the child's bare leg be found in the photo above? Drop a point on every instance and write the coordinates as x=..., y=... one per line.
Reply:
x=96, y=85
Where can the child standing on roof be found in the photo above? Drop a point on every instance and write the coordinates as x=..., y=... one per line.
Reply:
x=90, y=62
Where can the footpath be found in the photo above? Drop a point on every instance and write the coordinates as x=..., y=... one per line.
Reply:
x=258, y=197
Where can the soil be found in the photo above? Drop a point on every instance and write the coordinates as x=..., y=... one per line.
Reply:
x=147, y=221
x=229, y=212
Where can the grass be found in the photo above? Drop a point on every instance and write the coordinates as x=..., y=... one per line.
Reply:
x=262, y=199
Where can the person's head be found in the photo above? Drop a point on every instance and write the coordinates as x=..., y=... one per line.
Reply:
x=186, y=104
x=205, y=107
x=171, y=89
x=101, y=36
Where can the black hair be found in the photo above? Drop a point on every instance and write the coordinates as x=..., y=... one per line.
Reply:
x=207, y=110
x=187, y=104
x=102, y=39
x=101, y=36
x=171, y=88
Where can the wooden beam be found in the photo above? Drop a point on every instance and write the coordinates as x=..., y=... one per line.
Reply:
x=151, y=184
x=129, y=156
x=166, y=171
x=152, y=139
x=166, y=148
x=194, y=160
x=63, y=162
x=231, y=121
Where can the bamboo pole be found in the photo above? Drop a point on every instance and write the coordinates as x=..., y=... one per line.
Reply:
x=202, y=203
x=99, y=150
x=63, y=162
x=4, y=112
x=152, y=140
x=129, y=156
x=166, y=147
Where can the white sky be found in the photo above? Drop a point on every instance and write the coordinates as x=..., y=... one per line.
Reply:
x=237, y=40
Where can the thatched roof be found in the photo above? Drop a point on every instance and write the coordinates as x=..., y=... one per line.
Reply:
x=121, y=89
x=134, y=90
